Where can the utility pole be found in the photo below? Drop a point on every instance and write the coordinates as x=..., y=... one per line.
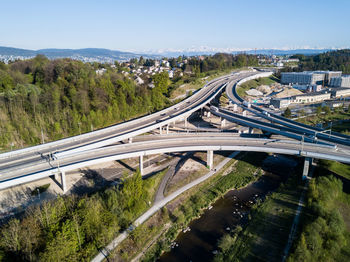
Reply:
x=302, y=143
x=42, y=136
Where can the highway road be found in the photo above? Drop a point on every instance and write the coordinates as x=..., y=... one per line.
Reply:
x=298, y=128
x=167, y=144
x=121, y=131
x=32, y=163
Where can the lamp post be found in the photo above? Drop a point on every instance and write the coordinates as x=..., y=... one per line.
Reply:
x=302, y=143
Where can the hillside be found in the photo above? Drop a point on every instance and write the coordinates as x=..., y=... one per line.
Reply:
x=51, y=99
x=52, y=53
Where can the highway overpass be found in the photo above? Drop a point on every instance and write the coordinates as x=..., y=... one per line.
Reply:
x=126, y=130
x=26, y=165
x=167, y=144
x=317, y=134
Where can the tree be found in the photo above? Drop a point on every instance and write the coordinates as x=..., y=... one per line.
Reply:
x=326, y=110
x=10, y=236
x=287, y=113
x=161, y=82
x=318, y=110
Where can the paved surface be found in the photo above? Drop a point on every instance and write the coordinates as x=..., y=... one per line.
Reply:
x=158, y=205
x=174, y=167
x=189, y=142
x=121, y=131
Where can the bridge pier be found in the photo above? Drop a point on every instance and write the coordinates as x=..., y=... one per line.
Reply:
x=160, y=130
x=210, y=156
x=251, y=130
x=234, y=107
x=208, y=114
x=167, y=129
x=130, y=140
x=223, y=122
x=141, y=165
x=307, y=162
x=63, y=181
x=244, y=113
x=185, y=122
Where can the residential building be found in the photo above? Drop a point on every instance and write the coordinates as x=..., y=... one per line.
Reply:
x=101, y=71
x=139, y=80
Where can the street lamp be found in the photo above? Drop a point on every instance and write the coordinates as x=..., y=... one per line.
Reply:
x=302, y=143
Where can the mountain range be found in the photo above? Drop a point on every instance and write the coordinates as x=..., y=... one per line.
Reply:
x=87, y=53
x=107, y=55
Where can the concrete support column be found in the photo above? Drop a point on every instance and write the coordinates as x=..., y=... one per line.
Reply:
x=63, y=181
x=56, y=177
x=160, y=130
x=244, y=113
x=307, y=163
x=167, y=129
x=223, y=122
x=185, y=121
x=210, y=155
x=208, y=114
x=234, y=107
x=141, y=165
x=251, y=130
x=130, y=140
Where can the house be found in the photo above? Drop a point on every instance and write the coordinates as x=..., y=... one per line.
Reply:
x=101, y=71
x=139, y=80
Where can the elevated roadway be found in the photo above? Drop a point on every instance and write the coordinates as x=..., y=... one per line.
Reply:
x=126, y=130
x=298, y=128
x=167, y=144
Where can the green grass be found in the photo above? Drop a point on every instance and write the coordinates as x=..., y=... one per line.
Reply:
x=266, y=234
x=196, y=199
x=336, y=167
x=334, y=116
x=254, y=84
x=40, y=189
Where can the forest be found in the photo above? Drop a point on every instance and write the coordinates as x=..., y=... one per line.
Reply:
x=43, y=100
x=72, y=228
x=324, y=235
x=338, y=60
x=220, y=61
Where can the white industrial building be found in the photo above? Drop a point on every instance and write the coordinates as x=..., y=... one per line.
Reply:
x=302, y=78
x=310, y=98
x=309, y=77
x=340, y=81
x=340, y=92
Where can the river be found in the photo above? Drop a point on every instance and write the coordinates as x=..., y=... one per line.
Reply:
x=226, y=213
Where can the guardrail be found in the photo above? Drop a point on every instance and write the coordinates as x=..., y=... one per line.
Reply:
x=192, y=144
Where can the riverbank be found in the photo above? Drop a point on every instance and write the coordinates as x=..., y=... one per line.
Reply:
x=265, y=235
x=192, y=203
x=325, y=231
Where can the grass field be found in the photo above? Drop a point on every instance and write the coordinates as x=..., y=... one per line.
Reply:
x=255, y=83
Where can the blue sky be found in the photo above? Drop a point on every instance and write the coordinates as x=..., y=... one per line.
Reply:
x=180, y=24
